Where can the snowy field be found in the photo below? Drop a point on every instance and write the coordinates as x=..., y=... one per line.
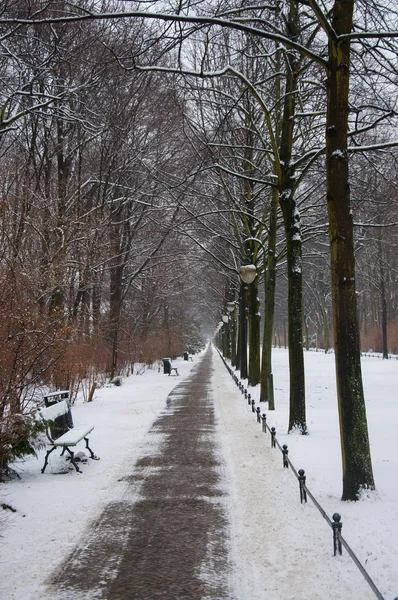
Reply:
x=280, y=549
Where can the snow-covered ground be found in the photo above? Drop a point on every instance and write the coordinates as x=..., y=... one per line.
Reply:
x=280, y=549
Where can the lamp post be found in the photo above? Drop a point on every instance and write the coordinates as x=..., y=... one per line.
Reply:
x=225, y=335
x=243, y=328
x=266, y=376
x=231, y=308
x=251, y=328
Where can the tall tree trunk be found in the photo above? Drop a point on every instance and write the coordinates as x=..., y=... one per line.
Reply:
x=115, y=309
x=267, y=385
x=383, y=298
x=243, y=331
x=325, y=325
x=291, y=219
x=254, y=335
x=238, y=334
x=297, y=410
x=233, y=338
x=357, y=466
x=384, y=342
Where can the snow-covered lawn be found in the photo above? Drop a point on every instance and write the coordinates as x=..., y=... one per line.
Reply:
x=284, y=549
x=281, y=550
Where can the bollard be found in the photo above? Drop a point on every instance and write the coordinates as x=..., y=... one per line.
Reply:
x=258, y=414
x=246, y=394
x=264, y=420
x=253, y=407
x=249, y=399
x=273, y=433
x=336, y=526
x=302, y=478
x=285, y=452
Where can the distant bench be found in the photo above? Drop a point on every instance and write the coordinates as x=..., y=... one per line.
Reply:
x=66, y=440
x=168, y=369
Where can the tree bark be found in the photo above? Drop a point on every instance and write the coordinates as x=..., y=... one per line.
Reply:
x=254, y=335
x=243, y=331
x=357, y=466
x=267, y=386
x=297, y=409
x=383, y=299
x=291, y=219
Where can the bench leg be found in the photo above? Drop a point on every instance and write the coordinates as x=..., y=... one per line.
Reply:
x=46, y=459
x=93, y=456
x=72, y=458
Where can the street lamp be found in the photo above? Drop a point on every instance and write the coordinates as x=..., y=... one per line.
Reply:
x=231, y=306
x=232, y=309
x=248, y=273
x=267, y=383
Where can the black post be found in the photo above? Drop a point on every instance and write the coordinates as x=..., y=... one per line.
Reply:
x=336, y=526
x=258, y=409
x=253, y=403
x=302, y=478
x=249, y=401
x=264, y=419
x=285, y=452
x=243, y=330
x=273, y=433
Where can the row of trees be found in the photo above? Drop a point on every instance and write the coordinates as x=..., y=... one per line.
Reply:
x=94, y=274
x=145, y=152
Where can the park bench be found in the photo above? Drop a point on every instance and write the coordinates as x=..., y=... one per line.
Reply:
x=168, y=367
x=67, y=439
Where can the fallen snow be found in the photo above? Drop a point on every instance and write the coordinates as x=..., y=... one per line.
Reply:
x=280, y=549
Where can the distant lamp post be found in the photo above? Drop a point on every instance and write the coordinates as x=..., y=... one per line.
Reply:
x=248, y=273
x=232, y=309
x=231, y=306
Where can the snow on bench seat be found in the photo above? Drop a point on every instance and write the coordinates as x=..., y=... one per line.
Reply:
x=73, y=436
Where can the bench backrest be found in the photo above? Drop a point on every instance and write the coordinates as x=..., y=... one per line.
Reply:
x=50, y=413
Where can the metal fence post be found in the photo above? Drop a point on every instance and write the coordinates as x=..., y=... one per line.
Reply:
x=336, y=526
x=302, y=478
x=264, y=420
x=285, y=452
x=273, y=433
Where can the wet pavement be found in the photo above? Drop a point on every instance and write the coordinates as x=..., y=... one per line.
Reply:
x=167, y=538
